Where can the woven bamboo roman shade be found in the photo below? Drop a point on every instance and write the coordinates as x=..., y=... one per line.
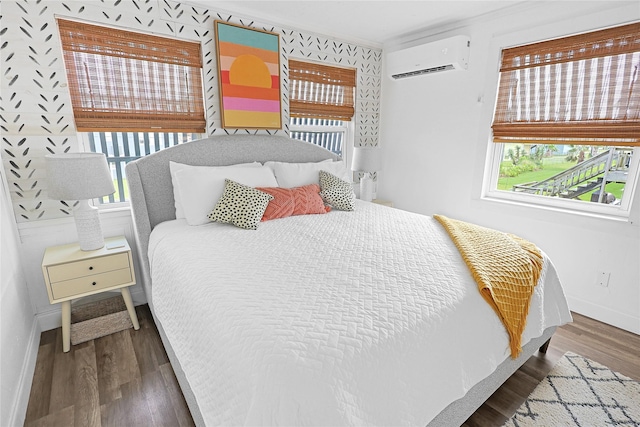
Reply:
x=580, y=89
x=127, y=81
x=320, y=91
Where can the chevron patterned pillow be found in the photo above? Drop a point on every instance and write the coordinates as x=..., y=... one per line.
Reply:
x=286, y=202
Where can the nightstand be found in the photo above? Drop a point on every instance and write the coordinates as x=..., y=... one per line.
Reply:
x=70, y=273
x=383, y=202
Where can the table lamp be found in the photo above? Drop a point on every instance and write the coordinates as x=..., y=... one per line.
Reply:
x=81, y=176
x=366, y=159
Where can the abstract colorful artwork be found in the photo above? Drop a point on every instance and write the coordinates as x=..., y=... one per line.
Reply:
x=249, y=76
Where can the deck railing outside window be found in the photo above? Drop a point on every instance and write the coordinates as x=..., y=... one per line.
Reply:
x=329, y=134
x=123, y=147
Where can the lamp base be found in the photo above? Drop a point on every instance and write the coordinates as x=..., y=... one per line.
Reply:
x=88, y=226
x=366, y=187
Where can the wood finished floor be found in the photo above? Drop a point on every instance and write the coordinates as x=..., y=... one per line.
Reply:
x=617, y=349
x=125, y=379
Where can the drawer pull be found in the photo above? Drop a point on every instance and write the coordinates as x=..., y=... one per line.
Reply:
x=90, y=267
x=94, y=283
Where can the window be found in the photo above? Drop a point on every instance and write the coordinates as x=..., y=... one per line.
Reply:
x=123, y=147
x=132, y=94
x=321, y=103
x=566, y=125
x=329, y=134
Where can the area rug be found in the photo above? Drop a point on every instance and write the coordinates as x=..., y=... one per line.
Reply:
x=581, y=392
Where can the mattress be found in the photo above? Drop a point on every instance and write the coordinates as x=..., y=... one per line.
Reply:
x=349, y=318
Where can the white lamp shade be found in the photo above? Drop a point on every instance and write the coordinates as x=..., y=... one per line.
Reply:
x=366, y=159
x=78, y=176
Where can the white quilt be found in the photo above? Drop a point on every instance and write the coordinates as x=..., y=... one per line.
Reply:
x=349, y=318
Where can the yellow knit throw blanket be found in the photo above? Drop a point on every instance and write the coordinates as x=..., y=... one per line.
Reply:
x=506, y=269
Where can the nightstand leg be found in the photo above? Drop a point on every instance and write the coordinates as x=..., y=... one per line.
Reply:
x=66, y=326
x=126, y=295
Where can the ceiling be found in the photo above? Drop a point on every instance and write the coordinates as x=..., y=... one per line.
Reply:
x=371, y=22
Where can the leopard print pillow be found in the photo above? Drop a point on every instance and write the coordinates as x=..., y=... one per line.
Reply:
x=337, y=193
x=240, y=205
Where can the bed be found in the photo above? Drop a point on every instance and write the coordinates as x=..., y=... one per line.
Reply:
x=367, y=317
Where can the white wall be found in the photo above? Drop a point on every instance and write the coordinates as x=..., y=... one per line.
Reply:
x=435, y=131
x=19, y=331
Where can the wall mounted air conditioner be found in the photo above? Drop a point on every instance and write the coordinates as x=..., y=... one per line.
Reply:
x=434, y=57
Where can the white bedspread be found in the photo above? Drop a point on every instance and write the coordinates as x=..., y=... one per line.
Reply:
x=349, y=318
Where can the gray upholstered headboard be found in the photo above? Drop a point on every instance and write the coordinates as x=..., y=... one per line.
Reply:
x=149, y=178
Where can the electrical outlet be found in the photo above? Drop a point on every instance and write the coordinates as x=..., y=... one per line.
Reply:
x=603, y=279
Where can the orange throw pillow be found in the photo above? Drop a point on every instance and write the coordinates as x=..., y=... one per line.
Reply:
x=293, y=201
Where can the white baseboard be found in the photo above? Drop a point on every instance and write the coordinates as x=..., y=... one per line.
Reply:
x=19, y=408
x=605, y=314
x=50, y=319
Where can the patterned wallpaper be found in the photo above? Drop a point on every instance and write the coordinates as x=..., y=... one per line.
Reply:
x=35, y=108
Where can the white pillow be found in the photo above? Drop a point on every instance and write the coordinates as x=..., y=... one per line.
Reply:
x=175, y=167
x=201, y=188
x=290, y=175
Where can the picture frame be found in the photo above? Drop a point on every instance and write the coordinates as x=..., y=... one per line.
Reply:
x=248, y=76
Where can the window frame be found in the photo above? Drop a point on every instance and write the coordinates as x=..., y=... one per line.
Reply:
x=491, y=192
x=346, y=128
x=321, y=76
x=144, y=53
x=488, y=190
x=84, y=140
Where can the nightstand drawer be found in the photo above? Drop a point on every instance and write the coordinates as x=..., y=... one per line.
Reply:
x=72, y=270
x=90, y=283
